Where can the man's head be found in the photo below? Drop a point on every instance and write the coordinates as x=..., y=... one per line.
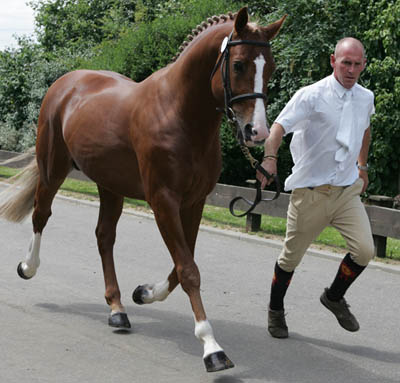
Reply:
x=348, y=61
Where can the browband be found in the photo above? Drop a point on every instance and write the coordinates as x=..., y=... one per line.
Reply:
x=250, y=42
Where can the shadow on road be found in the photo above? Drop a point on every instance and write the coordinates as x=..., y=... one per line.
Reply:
x=257, y=356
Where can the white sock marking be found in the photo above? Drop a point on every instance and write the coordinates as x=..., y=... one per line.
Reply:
x=203, y=331
x=32, y=260
x=156, y=292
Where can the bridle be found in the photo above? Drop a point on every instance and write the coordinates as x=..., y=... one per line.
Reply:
x=229, y=100
x=223, y=61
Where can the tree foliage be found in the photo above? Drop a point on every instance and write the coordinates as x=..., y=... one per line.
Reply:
x=25, y=75
x=137, y=37
x=302, y=52
x=149, y=46
x=78, y=24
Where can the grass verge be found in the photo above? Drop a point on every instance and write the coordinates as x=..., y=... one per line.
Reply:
x=271, y=227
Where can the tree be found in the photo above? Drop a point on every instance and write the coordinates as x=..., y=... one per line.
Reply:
x=302, y=52
x=137, y=37
x=83, y=23
x=150, y=45
x=25, y=75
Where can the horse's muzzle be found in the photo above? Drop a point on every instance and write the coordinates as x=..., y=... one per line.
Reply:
x=255, y=135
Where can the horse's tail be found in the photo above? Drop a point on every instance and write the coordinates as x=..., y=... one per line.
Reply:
x=16, y=202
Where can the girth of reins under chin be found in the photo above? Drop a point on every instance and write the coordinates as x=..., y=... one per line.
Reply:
x=232, y=121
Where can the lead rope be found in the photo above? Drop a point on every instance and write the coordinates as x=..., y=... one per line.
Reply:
x=255, y=165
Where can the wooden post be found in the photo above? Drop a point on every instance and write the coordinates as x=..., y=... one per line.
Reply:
x=380, y=241
x=253, y=221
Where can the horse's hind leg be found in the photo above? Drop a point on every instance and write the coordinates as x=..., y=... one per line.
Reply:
x=53, y=165
x=45, y=193
x=110, y=212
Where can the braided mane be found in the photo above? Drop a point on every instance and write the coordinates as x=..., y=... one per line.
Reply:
x=202, y=27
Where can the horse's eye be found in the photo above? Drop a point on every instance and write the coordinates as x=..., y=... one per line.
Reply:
x=238, y=67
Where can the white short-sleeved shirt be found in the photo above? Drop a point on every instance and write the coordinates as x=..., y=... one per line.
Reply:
x=313, y=116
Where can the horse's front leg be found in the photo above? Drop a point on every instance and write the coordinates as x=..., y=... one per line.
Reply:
x=109, y=214
x=166, y=207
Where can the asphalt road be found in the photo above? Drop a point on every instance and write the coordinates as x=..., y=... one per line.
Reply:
x=54, y=326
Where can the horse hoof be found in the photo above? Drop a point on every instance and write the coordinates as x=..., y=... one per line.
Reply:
x=21, y=272
x=138, y=294
x=119, y=320
x=217, y=361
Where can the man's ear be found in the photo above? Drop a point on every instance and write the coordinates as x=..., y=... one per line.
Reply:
x=333, y=60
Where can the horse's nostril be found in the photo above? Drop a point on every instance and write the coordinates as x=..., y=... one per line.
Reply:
x=248, y=127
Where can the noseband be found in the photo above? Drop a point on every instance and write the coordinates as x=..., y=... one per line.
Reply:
x=223, y=61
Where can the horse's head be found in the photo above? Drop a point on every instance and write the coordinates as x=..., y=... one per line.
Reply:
x=246, y=65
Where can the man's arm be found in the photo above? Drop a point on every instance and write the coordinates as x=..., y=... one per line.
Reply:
x=271, y=147
x=363, y=157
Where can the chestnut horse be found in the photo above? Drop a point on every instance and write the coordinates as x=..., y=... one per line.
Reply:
x=157, y=140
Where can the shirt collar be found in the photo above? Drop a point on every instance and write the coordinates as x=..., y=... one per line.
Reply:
x=339, y=89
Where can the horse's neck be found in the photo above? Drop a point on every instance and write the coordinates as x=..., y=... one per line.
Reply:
x=192, y=71
x=182, y=90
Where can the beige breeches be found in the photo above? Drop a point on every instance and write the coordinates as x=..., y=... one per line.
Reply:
x=310, y=211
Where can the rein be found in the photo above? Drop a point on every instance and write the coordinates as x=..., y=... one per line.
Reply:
x=223, y=61
x=258, y=198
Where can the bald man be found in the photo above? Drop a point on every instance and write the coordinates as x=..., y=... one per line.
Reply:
x=330, y=124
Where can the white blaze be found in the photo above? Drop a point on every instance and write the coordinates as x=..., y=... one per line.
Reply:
x=259, y=119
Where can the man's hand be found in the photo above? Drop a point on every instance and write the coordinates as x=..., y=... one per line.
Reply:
x=363, y=174
x=271, y=147
x=269, y=164
x=362, y=158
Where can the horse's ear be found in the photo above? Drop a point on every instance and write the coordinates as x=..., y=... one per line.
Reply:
x=241, y=20
x=272, y=30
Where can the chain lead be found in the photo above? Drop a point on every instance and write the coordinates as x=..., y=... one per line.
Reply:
x=245, y=150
